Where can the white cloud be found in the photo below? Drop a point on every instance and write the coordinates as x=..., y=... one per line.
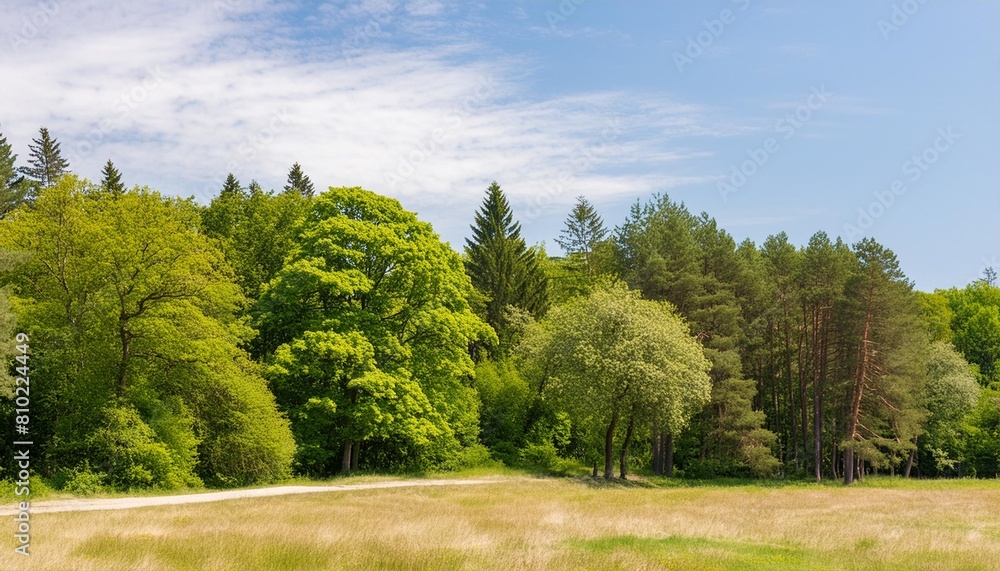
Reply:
x=180, y=92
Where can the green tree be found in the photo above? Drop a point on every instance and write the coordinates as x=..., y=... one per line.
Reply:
x=883, y=413
x=611, y=360
x=671, y=255
x=976, y=327
x=14, y=189
x=45, y=161
x=111, y=179
x=937, y=315
x=502, y=268
x=137, y=314
x=299, y=182
x=368, y=279
x=583, y=235
x=255, y=230
x=951, y=393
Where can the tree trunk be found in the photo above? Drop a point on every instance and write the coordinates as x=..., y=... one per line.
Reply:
x=609, y=447
x=355, y=453
x=913, y=456
x=126, y=339
x=623, y=464
x=595, y=469
x=345, y=463
x=857, y=391
x=820, y=381
x=657, y=450
x=668, y=455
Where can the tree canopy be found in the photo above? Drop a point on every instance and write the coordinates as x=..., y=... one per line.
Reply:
x=367, y=326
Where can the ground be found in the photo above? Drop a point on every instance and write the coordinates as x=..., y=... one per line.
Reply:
x=541, y=524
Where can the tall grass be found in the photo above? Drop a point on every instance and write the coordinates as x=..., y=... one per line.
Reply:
x=544, y=524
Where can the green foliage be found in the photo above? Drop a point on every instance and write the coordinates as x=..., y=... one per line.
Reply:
x=45, y=161
x=671, y=255
x=14, y=189
x=937, y=315
x=368, y=327
x=981, y=436
x=583, y=239
x=506, y=400
x=255, y=230
x=613, y=357
x=111, y=180
x=137, y=314
x=976, y=326
x=545, y=458
x=81, y=481
x=299, y=183
x=502, y=268
x=126, y=449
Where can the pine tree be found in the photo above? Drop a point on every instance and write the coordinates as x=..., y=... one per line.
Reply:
x=112, y=179
x=583, y=233
x=502, y=268
x=46, y=162
x=299, y=182
x=13, y=187
x=231, y=188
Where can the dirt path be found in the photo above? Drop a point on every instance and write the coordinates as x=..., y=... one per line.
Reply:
x=198, y=498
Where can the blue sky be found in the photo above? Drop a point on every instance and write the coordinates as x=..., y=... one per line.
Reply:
x=855, y=118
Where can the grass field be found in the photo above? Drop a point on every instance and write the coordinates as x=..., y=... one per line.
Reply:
x=544, y=524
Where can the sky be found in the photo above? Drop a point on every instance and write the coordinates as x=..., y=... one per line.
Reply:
x=854, y=118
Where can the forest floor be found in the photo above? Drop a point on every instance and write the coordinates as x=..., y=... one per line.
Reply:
x=539, y=523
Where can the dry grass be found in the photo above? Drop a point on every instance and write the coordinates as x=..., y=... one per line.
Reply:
x=539, y=524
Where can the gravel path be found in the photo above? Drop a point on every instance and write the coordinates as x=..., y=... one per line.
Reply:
x=198, y=498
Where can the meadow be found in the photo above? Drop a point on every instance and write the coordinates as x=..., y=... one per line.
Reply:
x=545, y=524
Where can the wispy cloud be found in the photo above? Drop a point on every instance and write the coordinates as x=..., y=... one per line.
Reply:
x=239, y=88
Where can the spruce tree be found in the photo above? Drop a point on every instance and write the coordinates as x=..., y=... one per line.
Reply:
x=111, y=180
x=13, y=188
x=502, y=268
x=46, y=161
x=583, y=233
x=299, y=182
x=231, y=188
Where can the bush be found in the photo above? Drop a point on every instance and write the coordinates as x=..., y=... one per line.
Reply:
x=545, y=458
x=475, y=456
x=128, y=453
x=83, y=482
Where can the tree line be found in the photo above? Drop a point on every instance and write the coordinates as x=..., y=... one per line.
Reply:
x=270, y=333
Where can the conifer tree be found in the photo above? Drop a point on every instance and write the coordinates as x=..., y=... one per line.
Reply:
x=13, y=187
x=502, y=268
x=583, y=233
x=231, y=188
x=111, y=180
x=299, y=182
x=46, y=161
